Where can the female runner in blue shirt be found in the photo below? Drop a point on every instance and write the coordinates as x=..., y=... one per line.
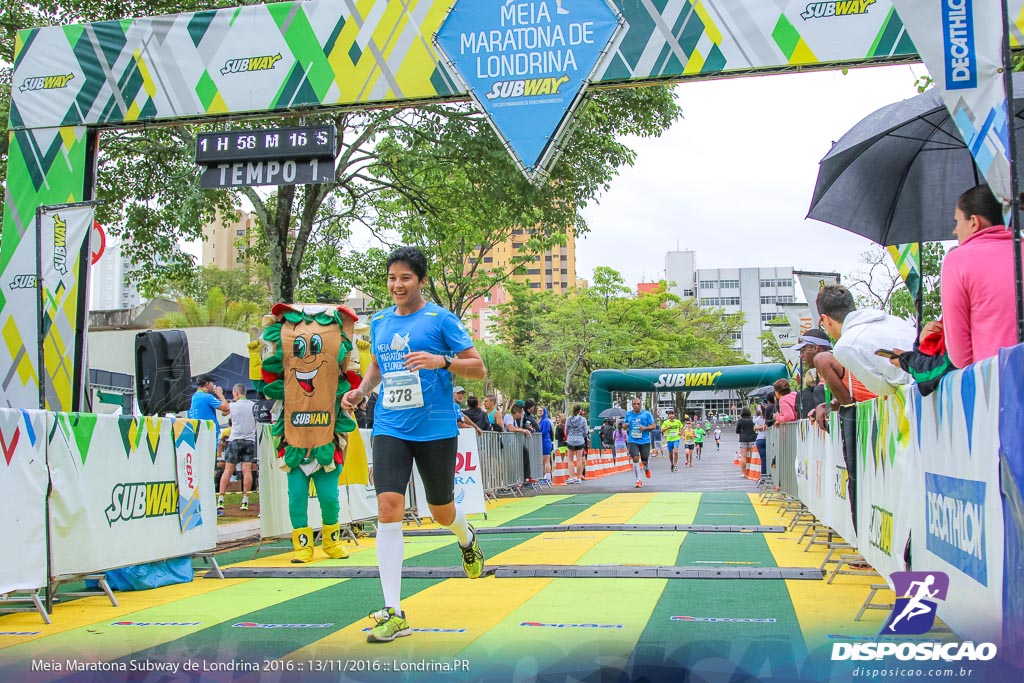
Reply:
x=416, y=347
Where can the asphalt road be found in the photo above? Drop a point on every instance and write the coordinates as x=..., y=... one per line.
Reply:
x=714, y=471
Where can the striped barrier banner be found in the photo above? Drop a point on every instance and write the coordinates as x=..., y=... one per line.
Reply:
x=23, y=482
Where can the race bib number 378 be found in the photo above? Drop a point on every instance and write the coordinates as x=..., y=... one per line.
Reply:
x=402, y=391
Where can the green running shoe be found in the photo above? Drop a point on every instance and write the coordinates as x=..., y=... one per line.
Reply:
x=472, y=558
x=389, y=626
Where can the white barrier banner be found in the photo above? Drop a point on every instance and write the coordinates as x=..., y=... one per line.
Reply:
x=827, y=479
x=359, y=501
x=887, y=490
x=958, y=527
x=115, y=494
x=23, y=481
x=274, y=518
x=469, y=486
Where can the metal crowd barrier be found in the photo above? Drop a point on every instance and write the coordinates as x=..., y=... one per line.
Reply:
x=782, y=445
x=501, y=461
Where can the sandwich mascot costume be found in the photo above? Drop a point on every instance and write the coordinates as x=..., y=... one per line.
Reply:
x=302, y=362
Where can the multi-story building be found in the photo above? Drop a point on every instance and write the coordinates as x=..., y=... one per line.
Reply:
x=223, y=242
x=110, y=288
x=756, y=292
x=553, y=270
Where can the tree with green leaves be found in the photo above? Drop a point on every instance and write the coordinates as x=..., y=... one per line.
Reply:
x=214, y=311
x=881, y=286
x=565, y=337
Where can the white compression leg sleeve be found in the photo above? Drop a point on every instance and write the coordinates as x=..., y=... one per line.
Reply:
x=390, y=555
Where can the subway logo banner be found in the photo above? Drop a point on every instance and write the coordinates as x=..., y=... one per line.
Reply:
x=116, y=498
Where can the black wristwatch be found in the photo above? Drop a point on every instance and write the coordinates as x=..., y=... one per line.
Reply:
x=448, y=360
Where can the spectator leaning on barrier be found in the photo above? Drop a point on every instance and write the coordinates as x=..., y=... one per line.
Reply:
x=474, y=414
x=978, y=301
x=494, y=415
x=859, y=334
x=811, y=343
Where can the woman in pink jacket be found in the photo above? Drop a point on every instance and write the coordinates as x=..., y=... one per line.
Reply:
x=978, y=311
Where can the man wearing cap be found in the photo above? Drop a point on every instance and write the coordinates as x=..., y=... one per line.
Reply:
x=811, y=343
x=458, y=395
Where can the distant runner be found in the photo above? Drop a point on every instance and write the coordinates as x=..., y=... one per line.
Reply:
x=699, y=440
x=672, y=428
x=718, y=438
x=639, y=425
x=689, y=439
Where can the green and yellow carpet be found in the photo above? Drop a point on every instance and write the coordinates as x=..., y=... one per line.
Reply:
x=285, y=629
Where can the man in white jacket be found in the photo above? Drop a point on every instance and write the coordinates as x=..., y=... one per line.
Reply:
x=859, y=334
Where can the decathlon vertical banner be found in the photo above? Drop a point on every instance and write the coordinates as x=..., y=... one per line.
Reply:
x=959, y=43
x=959, y=525
x=1011, y=456
x=23, y=481
x=469, y=486
x=889, y=486
x=63, y=236
x=907, y=258
x=811, y=284
x=115, y=500
x=526, y=63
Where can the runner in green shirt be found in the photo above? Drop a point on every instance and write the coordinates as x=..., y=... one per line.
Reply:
x=699, y=433
x=671, y=428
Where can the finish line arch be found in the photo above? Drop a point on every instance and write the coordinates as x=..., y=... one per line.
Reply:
x=291, y=58
x=604, y=382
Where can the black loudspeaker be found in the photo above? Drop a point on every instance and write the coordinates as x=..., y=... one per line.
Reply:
x=162, y=371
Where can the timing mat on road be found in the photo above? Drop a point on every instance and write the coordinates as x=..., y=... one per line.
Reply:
x=561, y=623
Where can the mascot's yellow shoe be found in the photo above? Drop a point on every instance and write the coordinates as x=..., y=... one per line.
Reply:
x=332, y=543
x=302, y=541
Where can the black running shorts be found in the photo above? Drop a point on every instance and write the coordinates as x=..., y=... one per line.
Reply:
x=641, y=449
x=435, y=460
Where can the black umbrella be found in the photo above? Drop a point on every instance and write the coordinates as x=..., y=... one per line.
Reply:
x=762, y=392
x=895, y=176
x=612, y=412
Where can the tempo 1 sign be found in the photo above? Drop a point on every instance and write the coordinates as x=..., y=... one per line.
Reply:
x=269, y=172
x=276, y=156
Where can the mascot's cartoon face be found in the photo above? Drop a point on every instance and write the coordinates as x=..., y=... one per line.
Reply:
x=307, y=360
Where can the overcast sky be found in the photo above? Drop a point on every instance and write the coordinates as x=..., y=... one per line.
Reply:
x=732, y=180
